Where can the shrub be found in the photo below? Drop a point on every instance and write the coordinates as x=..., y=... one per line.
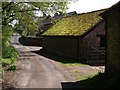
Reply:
x=9, y=58
x=12, y=67
x=10, y=52
x=6, y=61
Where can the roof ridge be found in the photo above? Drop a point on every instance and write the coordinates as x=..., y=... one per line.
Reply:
x=87, y=12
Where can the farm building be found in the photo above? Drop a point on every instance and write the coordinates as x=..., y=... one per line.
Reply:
x=77, y=36
x=51, y=20
x=112, y=20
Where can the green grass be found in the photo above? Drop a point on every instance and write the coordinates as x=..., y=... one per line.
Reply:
x=85, y=77
x=74, y=64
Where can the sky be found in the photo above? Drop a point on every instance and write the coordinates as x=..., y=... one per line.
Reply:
x=82, y=6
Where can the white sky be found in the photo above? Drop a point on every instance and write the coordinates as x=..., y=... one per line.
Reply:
x=90, y=5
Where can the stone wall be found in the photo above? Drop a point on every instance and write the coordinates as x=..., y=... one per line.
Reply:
x=30, y=41
x=113, y=44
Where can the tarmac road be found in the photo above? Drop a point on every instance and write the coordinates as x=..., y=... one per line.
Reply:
x=36, y=71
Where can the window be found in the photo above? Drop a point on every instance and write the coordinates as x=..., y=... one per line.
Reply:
x=102, y=40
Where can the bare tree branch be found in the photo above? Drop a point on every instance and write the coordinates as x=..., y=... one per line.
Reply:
x=27, y=10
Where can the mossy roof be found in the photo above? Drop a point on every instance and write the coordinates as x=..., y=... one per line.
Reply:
x=75, y=25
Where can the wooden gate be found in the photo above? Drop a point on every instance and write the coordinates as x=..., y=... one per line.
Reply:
x=96, y=55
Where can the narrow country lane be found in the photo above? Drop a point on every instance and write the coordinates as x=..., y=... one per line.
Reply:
x=36, y=71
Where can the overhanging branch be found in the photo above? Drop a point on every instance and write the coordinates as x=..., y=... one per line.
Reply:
x=27, y=10
x=6, y=6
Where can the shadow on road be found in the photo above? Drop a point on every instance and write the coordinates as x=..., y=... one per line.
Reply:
x=29, y=41
x=57, y=57
x=25, y=55
x=64, y=59
x=98, y=81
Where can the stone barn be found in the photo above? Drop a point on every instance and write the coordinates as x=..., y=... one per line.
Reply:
x=76, y=36
x=112, y=20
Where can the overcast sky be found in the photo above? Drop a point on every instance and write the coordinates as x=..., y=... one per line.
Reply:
x=90, y=5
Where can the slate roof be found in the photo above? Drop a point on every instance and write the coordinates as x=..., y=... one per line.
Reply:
x=75, y=25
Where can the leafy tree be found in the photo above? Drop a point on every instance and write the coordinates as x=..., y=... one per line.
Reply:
x=24, y=14
x=20, y=16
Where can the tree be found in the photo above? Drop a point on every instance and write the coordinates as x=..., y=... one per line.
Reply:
x=23, y=14
x=20, y=16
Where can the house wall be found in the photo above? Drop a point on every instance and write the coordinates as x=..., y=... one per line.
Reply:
x=113, y=44
x=92, y=38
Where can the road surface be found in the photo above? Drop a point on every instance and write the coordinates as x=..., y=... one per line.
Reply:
x=36, y=71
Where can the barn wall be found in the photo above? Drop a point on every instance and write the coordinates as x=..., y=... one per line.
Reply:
x=30, y=41
x=74, y=46
x=91, y=38
x=113, y=45
x=64, y=45
x=82, y=49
